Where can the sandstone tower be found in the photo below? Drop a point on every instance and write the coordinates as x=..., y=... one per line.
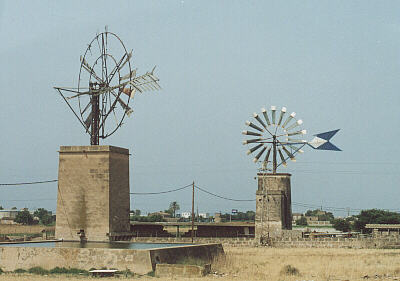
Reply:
x=93, y=193
x=273, y=205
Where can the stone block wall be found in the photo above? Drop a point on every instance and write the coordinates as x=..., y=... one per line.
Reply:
x=93, y=192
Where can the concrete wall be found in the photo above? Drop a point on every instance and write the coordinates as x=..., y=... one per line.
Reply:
x=273, y=205
x=137, y=261
x=234, y=242
x=93, y=192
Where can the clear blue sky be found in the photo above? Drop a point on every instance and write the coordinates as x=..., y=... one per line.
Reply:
x=335, y=63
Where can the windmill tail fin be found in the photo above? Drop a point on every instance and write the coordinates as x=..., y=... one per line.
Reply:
x=322, y=141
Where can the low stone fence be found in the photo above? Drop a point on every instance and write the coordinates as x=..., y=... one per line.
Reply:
x=329, y=242
x=24, y=229
x=357, y=243
x=235, y=242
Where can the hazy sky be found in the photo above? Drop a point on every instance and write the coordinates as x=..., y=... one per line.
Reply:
x=335, y=63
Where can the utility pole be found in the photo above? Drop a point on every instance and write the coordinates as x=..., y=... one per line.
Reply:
x=192, y=233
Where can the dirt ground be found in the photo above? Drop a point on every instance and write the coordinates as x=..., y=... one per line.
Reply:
x=272, y=264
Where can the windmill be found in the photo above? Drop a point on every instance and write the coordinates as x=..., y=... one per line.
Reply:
x=106, y=85
x=281, y=134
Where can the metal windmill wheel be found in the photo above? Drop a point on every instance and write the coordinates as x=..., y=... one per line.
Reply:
x=106, y=86
x=275, y=132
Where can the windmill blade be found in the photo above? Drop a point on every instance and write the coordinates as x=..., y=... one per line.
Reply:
x=142, y=81
x=296, y=141
x=264, y=112
x=86, y=108
x=295, y=149
x=273, y=110
x=251, y=141
x=298, y=123
x=248, y=123
x=89, y=69
x=288, y=153
x=282, y=158
x=128, y=57
x=126, y=107
x=267, y=155
x=129, y=76
x=88, y=121
x=301, y=132
x=259, y=154
x=283, y=111
x=129, y=92
x=255, y=115
x=250, y=133
x=290, y=117
x=251, y=150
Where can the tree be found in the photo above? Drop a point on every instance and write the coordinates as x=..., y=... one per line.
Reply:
x=174, y=206
x=24, y=217
x=44, y=216
x=301, y=221
x=341, y=225
x=375, y=216
x=322, y=216
x=1, y=208
x=13, y=208
x=137, y=212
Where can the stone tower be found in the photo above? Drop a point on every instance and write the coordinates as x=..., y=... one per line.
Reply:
x=273, y=205
x=93, y=193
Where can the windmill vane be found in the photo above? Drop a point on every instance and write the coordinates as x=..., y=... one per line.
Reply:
x=274, y=134
x=106, y=85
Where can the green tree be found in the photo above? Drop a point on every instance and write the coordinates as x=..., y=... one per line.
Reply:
x=173, y=207
x=1, y=208
x=301, y=221
x=24, y=217
x=45, y=217
x=341, y=225
x=375, y=216
x=137, y=212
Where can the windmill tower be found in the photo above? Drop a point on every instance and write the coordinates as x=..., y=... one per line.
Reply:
x=93, y=199
x=276, y=138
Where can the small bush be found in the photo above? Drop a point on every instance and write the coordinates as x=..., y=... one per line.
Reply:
x=289, y=270
x=151, y=274
x=38, y=270
x=20, y=270
x=1, y=271
x=63, y=270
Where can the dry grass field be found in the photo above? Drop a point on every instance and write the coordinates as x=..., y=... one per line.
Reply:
x=270, y=264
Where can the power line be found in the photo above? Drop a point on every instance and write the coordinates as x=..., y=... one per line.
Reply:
x=161, y=192
x=25, y=183
x=222, y=197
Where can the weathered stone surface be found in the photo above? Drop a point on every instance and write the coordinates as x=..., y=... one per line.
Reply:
x=273, y=205
x=181, y=270
x=93, y=192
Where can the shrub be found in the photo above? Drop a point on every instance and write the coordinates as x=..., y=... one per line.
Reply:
x=19, y=270
x=1, y=271
x=38, y=270
x=63, y=270
x=289, y=270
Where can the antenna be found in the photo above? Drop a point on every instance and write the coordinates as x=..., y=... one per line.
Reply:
x=281, y=134
x=106, y=85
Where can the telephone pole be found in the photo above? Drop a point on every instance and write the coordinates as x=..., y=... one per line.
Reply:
x=192, y=232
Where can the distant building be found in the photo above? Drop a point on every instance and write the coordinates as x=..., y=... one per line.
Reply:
x=296, y=216
x=11, y=214
x=204, y=215
x=186, y=215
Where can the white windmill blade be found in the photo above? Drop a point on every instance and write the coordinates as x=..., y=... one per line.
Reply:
x=267, y=155
x=251, y=150
x=297, y=141
x=265, y=113
x=273, y=110
x=290, y=117
x=289, y=154
x=282, y=158
x=255, y=115
x=145, y=80
x=259, y=154
x=301, y=132
x=298, y=123
x=248, y=123
x=283, y=111
x=251, y=141
x=250, y=133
